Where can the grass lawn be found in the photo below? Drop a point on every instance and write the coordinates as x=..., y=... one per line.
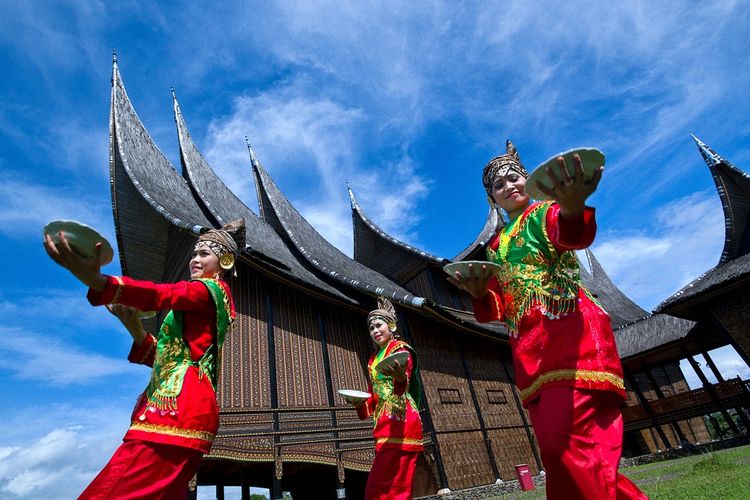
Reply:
x=721, y=475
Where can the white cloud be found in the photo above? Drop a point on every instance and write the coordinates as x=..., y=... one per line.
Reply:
x=46, y=456
x=683, y=241
x=314, y=146
x=27, y=207
x=32, y=357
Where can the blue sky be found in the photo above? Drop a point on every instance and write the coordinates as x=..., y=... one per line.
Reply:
x=405, y=100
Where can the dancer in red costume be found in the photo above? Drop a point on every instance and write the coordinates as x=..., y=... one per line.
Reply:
x=176, y=418
x=567, y=368
x=394, y=406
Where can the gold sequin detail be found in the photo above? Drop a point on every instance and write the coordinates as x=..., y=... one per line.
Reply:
x=572, y=374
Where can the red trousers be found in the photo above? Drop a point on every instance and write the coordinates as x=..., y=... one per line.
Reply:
x=392, y=475
x=580, y=436
x=147, y=471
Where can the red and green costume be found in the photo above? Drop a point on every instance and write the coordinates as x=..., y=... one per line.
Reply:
x=176, y=418
x=566, y=363
x=394, y=407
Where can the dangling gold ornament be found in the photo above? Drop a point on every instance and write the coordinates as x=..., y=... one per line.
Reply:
x=226, y=261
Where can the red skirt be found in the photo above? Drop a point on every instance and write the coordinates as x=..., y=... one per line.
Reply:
x=147, y=471
x=392, y=475
x=580, y=436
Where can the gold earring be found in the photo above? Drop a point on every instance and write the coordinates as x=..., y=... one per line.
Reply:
x=226, y=261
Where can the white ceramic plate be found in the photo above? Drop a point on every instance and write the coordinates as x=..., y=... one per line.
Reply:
x=464, y=268
x=146, y=314
x=353, y=395
x=389, y=360
x=590, y=157
x=81, y=237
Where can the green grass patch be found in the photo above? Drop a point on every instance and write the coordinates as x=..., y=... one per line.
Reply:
x=721, y=475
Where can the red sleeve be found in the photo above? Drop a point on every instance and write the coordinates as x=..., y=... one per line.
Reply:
x=400, y=387
x=143, y=354
x=366, y=410
x=149, y=296
x=571, y=234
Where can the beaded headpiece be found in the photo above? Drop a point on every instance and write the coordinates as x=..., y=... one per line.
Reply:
x=385, y=312
x=501, y=165
x=225, y=242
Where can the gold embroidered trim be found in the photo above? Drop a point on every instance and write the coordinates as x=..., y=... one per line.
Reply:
x=150, y=350
x=399, y=441
x=572, y=374
x=169, y=430
x=496, y=302
x=118, y=292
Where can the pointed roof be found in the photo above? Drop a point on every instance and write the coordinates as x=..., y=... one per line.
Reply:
x=475, y=250
x=620, y=308
x=277, y=211
x=650, y=332
x=733, y=186
x=264, y=246
x=733, y=269
x=377, y=250
x=149, y=197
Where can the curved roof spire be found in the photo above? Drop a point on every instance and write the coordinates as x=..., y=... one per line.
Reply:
x=378, y=250
x=733, y=186
x=263, y=246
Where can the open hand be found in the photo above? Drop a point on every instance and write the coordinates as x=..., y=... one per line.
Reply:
x=86, y=269
x=475, y=281
x=570, y=193
x=395, y=370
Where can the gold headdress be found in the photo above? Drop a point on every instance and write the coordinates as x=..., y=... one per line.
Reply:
x=385, y=311
x=501, y=165
x=225, y=243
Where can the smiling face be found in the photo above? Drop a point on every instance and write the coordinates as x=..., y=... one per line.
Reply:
x=204, y=263
x=509, y=191
x=380, y=333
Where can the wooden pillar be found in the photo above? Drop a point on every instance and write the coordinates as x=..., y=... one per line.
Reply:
x=219, y=491
x=276, y=481
x=675, y=428
x=708, y=386
x=717, y=374
x=646, y=406
x=427, y=420
x=244, y=484
x=519, y=406
x=340, y=489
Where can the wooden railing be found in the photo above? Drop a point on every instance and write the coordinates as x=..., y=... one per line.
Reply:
x=695, y=403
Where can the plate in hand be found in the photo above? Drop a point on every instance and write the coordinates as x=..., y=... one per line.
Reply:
x=463, y=267
x=391, y=359
x=81, y=238
x=591, y=158
x=353, y=395
x=146, y=314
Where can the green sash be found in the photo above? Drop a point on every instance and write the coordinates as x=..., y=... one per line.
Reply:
x=172, y=358
x=389, y=403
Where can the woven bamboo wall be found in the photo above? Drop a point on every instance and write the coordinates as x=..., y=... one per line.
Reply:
x=495, y=394
x=348, y=351
x=432, y=283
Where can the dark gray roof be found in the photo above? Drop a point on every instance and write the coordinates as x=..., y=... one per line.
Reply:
x=620, y=308
x=475, y=251
x=733, y=186
x=649, y=333
x=327, y=259
x=377, y=250
x=721, y=279
x=148, y=195
x=264, y=247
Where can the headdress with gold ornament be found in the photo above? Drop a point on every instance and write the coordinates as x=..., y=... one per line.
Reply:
x=225, y=243
x=385, y=312
x=502, y=165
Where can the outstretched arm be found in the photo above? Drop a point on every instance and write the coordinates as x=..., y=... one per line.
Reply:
x=87, y=270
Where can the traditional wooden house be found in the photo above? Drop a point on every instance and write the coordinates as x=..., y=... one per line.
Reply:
x=301, y=331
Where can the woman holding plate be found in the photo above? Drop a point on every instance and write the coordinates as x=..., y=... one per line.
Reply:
x=394, y=406
x=176, y=418
x=566, y=364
